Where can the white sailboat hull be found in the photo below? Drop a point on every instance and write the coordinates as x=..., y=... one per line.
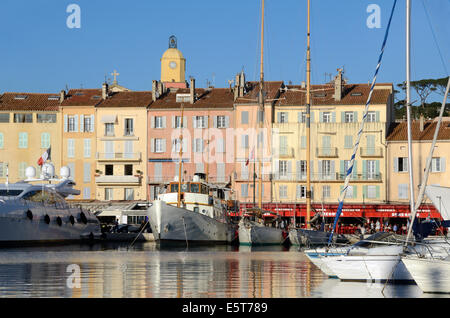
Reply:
x=431, y=275
x=369, y=268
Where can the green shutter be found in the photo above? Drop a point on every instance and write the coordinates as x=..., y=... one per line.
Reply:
x=365, y=192
x=378, y=192
x=2, y=141
x=377, y=116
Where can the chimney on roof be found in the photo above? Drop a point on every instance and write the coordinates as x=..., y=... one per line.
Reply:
x=422, y=122
x=338, y=86
x=239, y=85
x=154, y=90
x=192, y=90
x=303, y=85
x=62, y=96
x=105, y=91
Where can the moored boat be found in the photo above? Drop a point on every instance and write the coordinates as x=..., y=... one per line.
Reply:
x=38, y=213
x=200, y=217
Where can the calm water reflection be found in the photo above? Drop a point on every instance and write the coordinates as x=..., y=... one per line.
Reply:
x=146, y=271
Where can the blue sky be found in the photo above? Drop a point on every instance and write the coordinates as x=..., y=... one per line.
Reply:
x=218, y=38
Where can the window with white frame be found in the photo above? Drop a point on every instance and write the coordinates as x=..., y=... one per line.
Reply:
x=109, y=194
x=160, y=145
x=109, y=129
x=283, y=117
x=349, y=117
x=221, y=122
x=301, y=192
x=401, y=164
x=200, y=121
x=129, y=194
x=283, y=168
x=327, y=117
x=371, y=117
x=437, y=165
x=72, y=123
x=159, y=122
x=129, y=127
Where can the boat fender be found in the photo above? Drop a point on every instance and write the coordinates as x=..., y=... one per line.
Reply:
x=72, y=220
x=30, y=215
x=83, y=218
x=59, y=221
x=47, y=219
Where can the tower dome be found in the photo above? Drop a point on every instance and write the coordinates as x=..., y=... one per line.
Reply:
x=173, y=65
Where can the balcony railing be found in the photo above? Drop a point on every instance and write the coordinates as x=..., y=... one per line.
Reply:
x=371, y=152
x=331, y=152
x=286, y=152
x=369, y=177
x=118, y=180
x=320, y=177
x=120, y=156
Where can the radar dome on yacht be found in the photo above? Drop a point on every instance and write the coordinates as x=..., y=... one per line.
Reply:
x=196, y=178
x=30, y=172
x=65, y=172
x=48, y=170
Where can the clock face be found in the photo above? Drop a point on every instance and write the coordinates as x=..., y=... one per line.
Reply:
x=173, y=65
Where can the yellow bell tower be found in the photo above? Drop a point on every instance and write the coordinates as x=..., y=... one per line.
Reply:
x=173, y=66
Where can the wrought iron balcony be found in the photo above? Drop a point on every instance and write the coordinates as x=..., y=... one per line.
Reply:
x=119, y=156
x=331, y=152
x=371, y=152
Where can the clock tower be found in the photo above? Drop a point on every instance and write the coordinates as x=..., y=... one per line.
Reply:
x=173, y=66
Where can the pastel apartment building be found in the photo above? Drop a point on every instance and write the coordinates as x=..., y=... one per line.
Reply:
x=336, y=114
x=79, y=143
x=121, y=151
x=422, y=136
x=30, y=124
x=203, y=119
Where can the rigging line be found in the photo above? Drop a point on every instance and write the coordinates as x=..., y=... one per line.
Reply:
x=360, y=132
x=434, y=37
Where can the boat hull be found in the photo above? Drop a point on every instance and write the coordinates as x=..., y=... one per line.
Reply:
x=175, y=225
x=383, y=268
x=302, y=237
x=255, y=235
x=431, y=275
x=25, y=231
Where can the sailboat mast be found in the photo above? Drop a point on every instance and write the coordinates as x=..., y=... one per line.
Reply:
x=181, y=155
x=308, y=121
x=260, y=116
x=408, y=102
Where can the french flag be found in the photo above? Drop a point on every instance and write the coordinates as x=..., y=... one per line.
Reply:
x=46, y=156
x=251, y=158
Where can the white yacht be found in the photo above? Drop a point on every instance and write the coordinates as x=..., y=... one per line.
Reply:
x=38, y=213
x=198, y=216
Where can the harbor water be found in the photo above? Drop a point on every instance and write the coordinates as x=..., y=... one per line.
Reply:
x=145, y=271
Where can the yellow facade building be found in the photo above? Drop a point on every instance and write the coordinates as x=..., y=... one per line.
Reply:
x=422, y=136
x=336, y=114
x=121, y=158
x=29, y=125
x=79, y=138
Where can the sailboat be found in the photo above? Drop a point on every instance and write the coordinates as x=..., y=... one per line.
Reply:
x=191, y=212
x=385, y=263
x=255, y=226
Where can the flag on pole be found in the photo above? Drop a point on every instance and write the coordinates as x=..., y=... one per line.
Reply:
x=252, y=157
x=46, y=156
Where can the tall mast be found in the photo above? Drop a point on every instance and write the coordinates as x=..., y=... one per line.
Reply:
x=408, y=102
x=181, y=156
x=308, y=121
x=260, y=116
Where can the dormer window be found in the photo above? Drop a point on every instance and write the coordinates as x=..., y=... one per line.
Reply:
x=20, y=97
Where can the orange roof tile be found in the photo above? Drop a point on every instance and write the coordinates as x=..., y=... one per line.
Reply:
x=29, y=102
x=354, y=94
x=399, y=131
x=127, y=99
x=83, y=97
